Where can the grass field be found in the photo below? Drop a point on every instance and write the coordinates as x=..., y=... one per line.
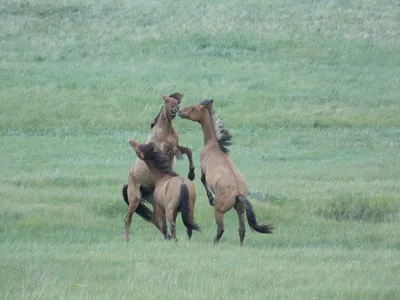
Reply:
x=310, y=91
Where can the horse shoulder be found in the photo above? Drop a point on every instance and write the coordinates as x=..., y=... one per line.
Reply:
x=209, y=153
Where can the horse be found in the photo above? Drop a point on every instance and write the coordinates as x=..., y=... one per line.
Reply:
x=219, y=174
x=140, y=186
x=172, y=192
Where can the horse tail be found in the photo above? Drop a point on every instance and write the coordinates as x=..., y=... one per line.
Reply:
x=251, y=217
x=185, y=207
x=142, y=209
x=125, y=193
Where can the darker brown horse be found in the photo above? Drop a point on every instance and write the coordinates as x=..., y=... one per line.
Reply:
x=219, y=173
x=140, y=180
x=172, y=192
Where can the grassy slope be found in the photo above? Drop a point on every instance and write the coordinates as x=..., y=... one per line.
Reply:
x=310, y=91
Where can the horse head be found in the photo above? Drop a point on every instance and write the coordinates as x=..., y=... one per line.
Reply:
x=170, y=107
x=194, y=113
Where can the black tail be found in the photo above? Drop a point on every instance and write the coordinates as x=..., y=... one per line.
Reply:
x=251, y=217
x=125, y=193
x=142, y=209
x=184, y=204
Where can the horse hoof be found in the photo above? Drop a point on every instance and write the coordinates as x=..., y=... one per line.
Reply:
x=211, y=201
x=191, y=175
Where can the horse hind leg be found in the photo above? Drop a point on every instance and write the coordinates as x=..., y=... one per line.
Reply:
x=131, y=191
x=133, y=204
x=171, y=218
x=240, y=209
x=160, y=222
x=219, y=219
x=189, y=232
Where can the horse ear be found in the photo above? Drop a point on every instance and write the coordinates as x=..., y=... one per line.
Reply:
x=165, y=98
x=177, y=96
x=135, y=145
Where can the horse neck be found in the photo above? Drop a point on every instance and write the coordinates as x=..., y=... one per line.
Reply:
x=157, y=174
x=164, y=124
x=210, y=136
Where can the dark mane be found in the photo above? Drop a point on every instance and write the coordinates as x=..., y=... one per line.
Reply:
x=224, y=137
x=156, y=119
x=161, y=162
x=176, y=96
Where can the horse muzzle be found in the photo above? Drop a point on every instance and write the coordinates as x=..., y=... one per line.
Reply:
x=181, y=114
x=174, y=110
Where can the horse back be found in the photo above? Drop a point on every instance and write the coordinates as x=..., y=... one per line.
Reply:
x=168, y=192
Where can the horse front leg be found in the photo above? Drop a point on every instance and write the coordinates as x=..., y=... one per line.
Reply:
x=209, y=194
x=188, y=153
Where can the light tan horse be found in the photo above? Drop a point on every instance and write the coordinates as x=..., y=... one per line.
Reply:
x=140, y=180
x=173, y=193
x=219, y=173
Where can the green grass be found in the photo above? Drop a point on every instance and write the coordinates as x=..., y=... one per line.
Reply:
x=309, y=90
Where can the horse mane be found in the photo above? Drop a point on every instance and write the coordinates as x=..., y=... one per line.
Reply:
x=224, y=137
x=161, y=162
x=177, y=96
x=156, y=118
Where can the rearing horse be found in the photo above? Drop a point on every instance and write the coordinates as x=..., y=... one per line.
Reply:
x=140, y=180
x=219, y=173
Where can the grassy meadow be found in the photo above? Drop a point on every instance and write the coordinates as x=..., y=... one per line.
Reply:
x=310, y=91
